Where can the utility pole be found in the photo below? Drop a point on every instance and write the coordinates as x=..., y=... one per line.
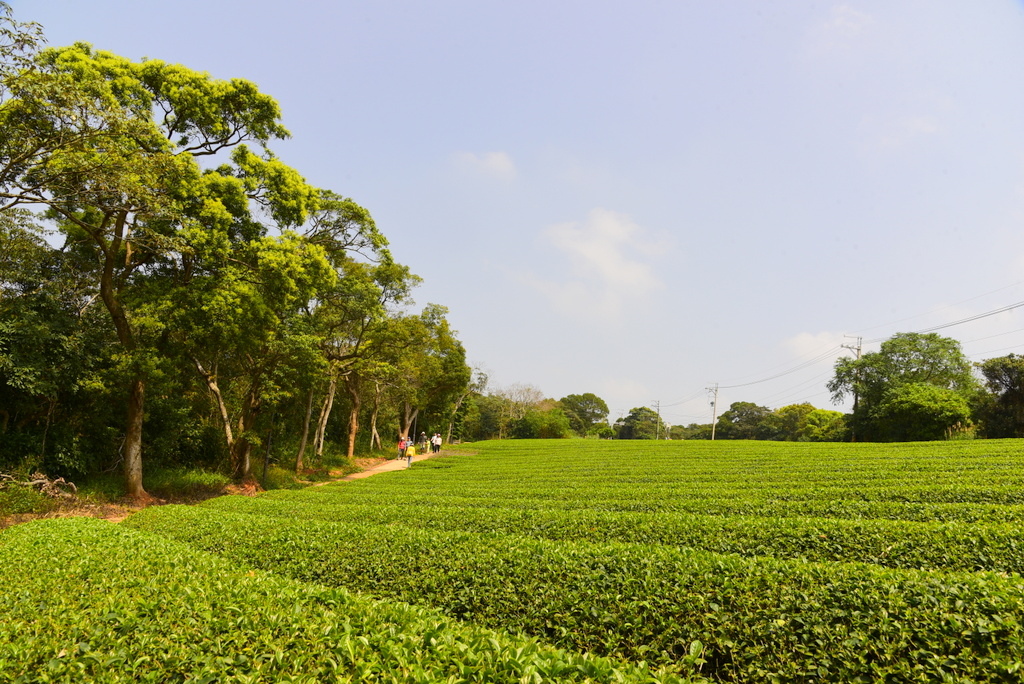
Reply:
x=856, y=386
x=657, y=428
x=714, y=409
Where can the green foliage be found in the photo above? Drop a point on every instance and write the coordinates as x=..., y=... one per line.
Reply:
x=184, y=482
x=641, y=423
x=540, y=424
x=905, y=359
x=634, y=601
x=854, y=561
x=745, y=420
x=893, y=544
x=918, y=412
x=281, y=478
x=90, y=601
x=1002, y=412
x=18, y=499
x=585, y=411
x=822, y=425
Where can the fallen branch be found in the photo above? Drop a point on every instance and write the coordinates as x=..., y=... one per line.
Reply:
x=56, y=489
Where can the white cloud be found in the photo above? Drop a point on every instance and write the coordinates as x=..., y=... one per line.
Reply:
x=610, y=264
x=491, y=164
x=842, y=31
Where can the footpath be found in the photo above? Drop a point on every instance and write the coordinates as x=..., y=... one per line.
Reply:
x=388, y=466
x=116, y=512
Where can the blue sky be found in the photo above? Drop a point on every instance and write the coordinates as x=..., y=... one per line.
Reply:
x=644, y=199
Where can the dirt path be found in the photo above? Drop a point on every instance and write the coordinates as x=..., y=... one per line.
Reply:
x=116, y=512
x=386, y=466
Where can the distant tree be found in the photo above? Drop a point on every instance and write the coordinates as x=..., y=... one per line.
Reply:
x=484, y=416
x=1002, y=411
x=691, y=431
x=515, y=401
x=584, y=411
x=601, y=430
x=744, y=420
x=904, y=359
x=919, y=412
x=822, y=425
x=542, y=424
x=456, y=420
x=787, y=423
x=640, y=423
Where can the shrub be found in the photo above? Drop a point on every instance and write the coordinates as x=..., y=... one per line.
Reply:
x=91, y=601
x=758, y=619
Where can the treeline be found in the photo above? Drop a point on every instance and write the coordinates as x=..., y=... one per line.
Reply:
x=917, y=387
x=523, y=412
x=169, y=287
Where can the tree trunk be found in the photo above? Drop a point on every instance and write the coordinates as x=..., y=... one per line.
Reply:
x=352, y=385
x=241, y=454
x=451, y=421
x=241, y=468
x=408, y=418
x=325, y=413
x=374, y=436
x=222, y=408
x=305, y=432
x=133, y=443
x=137, y=390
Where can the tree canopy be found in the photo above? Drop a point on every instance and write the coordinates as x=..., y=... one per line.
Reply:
x=202, y=286
x=584, y=411
x=877, y=381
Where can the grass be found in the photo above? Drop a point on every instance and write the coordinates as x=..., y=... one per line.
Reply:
x=16, y=500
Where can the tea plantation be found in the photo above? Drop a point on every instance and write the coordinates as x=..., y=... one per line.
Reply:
x=730, y=561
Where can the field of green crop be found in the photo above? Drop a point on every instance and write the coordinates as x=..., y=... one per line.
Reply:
x=550, y=561
x=733, y=561
x=85, y=600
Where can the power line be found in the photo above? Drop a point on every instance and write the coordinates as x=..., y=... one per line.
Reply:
x=821, y=357
x=940, y=308
x=969, y=319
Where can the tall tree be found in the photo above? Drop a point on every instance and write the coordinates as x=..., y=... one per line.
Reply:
x=1002, y=411
x=238, y=326
x=823, y=425
x=111, y=148
x=904, y=359
x=433, y=371
x=584, y=411
x=640, y=423
x=745, y=420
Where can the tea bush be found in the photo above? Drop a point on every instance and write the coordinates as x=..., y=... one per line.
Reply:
x=85, y=600
x=758, y=619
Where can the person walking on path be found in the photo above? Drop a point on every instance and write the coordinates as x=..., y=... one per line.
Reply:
x=409, y=453
x=435, y=443
x=403, y=446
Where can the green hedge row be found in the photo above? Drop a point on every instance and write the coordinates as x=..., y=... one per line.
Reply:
x=758, y=619
x=367, y=494
x=87, y=601
x=882, y=542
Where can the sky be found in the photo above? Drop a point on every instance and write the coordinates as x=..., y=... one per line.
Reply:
x=645, y=200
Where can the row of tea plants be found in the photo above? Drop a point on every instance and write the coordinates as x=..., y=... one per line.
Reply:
x=737, y=561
